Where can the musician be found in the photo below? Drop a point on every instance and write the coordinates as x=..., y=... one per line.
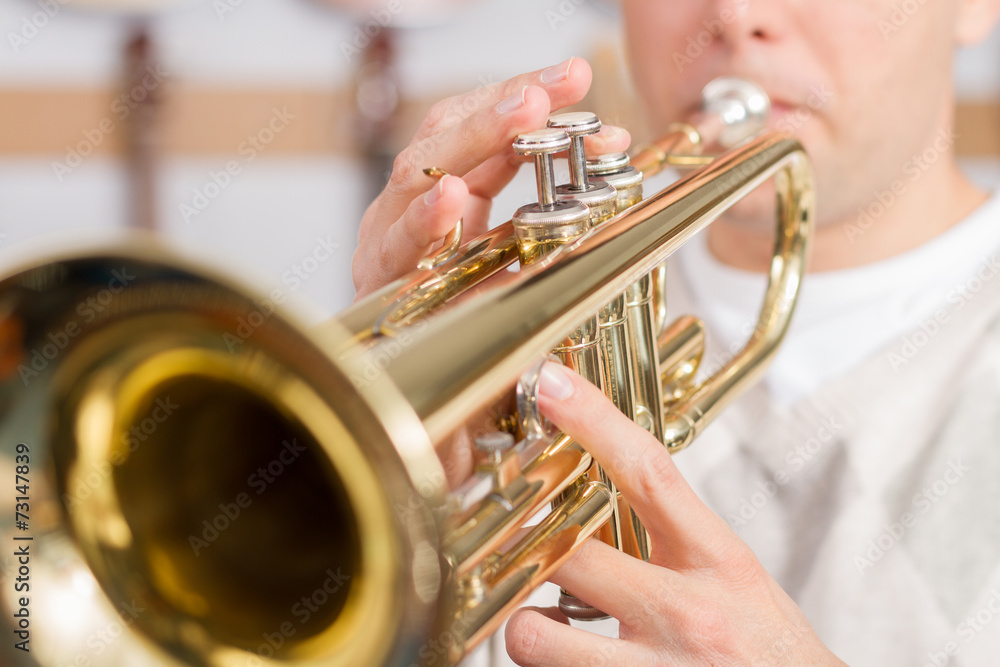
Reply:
x=854, y=504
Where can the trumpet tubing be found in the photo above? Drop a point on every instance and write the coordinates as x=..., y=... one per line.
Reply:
x=289, y=507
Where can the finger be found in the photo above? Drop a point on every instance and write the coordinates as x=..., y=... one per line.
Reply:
x=426, y=220
x=550, y=612
x=462, y=132
x=459, y=149
x=565, y=83
x=686, y=533
x=640, y=591
x=611, y=139
x=536, y=639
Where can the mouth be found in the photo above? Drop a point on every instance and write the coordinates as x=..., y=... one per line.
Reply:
x=791, y=118
x=779, y=111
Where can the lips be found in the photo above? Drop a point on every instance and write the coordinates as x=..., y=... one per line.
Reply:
x=779, y=110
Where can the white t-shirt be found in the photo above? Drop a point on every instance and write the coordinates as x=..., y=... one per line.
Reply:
x=844, y=317
x=864, y=470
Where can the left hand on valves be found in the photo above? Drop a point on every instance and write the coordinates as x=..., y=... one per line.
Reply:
x=703, y=599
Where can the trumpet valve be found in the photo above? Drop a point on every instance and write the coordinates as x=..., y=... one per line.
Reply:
x=541, y=226
x=615, y=170
x=598, y=196
x=504, y=469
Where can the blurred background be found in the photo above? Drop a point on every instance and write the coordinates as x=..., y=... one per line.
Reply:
x=257, y=131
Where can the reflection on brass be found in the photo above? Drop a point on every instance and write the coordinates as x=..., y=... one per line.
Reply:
x=272, y=495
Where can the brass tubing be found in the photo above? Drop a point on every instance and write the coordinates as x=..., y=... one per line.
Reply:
x=681, y=342
x=659, y=278
x=397, y=304
x=530, y=563
x=683, y=139
x=550, y=297
x=688, y=419
x=615, y=354
x=645, y=356
x=494, y=522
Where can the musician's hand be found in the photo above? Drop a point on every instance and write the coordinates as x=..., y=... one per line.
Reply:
x=470, y=137
x=704, y=599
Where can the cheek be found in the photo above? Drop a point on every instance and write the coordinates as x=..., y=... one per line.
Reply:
x=661, y=39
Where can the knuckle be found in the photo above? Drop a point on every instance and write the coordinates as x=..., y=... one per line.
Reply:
x=742, y=570
x=387, y=258
x=435, y=116
x=708, y=626
x=403, y=166
x=655, y=474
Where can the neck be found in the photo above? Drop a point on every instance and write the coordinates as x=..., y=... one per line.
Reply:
x=925, y=207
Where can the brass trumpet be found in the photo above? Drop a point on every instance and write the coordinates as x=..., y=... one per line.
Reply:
x=267, y=494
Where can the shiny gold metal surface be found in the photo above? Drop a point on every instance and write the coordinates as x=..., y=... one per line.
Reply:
x=267, y=494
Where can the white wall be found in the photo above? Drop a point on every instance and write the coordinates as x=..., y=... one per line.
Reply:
x=272, y=214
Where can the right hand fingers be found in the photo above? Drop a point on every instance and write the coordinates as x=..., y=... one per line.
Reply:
x=429, y=217
x=459, y=134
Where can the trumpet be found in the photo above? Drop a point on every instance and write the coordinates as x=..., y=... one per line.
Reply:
x=257, y=492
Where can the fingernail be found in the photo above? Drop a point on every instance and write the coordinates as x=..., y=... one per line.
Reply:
x=435, y=193
x=554, y=383
x=557, y=72
x=512, y=103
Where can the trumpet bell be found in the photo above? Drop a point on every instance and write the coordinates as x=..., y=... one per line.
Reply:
x=226, y=495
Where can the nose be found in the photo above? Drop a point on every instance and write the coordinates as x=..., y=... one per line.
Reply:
x=754, y=22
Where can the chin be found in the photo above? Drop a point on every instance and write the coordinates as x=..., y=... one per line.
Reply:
x=756, y=212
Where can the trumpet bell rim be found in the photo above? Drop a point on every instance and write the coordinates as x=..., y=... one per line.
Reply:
x=172, y=329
